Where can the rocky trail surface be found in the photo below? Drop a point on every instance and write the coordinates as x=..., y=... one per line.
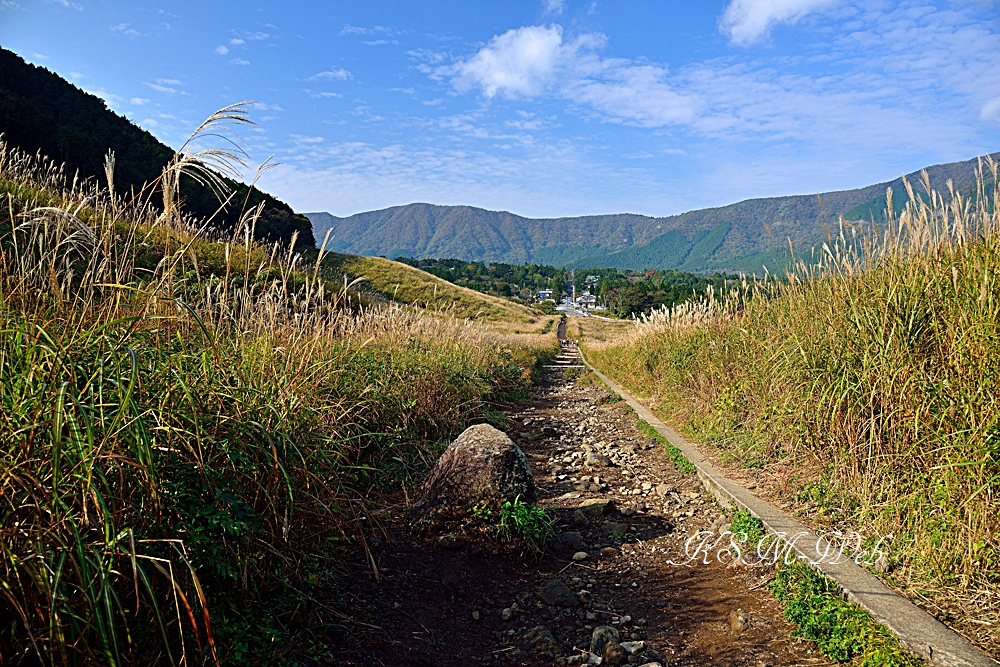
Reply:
x=622, y=513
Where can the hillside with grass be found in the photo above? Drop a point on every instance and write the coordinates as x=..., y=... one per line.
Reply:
x=193, y=429
x=741, y=238
x=860, y=392
x=392, y=281
x=40, y=112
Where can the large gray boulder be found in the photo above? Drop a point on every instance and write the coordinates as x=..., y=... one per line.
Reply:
x=481, y=467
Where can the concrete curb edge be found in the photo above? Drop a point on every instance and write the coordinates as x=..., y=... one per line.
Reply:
x=918, y=632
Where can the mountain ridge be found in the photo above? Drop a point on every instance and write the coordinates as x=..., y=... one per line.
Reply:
x=743, y=236
x=41, y=112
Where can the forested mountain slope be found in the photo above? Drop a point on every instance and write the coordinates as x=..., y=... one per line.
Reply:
x=40, y=112
x=743, y=236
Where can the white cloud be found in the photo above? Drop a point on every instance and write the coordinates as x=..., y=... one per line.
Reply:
x=990, y=110
x=236, y=41
x=69, y=5
x=349, y=29
x=428, y=56
x=139, y=101
x=8, y=4
x=163, y=85
x=853, y=104
x=747, y=21
x=221, y=50
x=520, y=62
x=239, y=61
x=534, y=60
x=554, y=6
x=37, y=56
x=256, y=36
x=637, y=93
x=124, y=29
x=939, y=62
x=331, y=75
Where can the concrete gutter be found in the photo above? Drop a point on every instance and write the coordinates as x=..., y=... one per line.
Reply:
x=918, y=632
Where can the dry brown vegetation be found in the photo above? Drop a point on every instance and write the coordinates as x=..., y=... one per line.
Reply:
x=872, y=372
x=193, y=426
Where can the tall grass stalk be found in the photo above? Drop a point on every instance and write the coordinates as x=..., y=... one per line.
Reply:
x=873, y=369
x=187, y=421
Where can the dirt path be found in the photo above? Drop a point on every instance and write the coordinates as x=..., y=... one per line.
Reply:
x=477, y=604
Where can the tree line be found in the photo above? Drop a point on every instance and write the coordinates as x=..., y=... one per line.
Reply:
x=523, y=281
x=623, y=292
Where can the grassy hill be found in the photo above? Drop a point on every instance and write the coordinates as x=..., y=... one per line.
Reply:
x=863, y=394
x=394, y=281
x=740, y=237
x=40, y=112
x=193, y=432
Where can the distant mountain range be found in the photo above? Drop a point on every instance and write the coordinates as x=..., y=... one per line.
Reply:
x=741, y=237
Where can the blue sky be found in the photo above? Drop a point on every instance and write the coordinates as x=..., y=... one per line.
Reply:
x=545, y=107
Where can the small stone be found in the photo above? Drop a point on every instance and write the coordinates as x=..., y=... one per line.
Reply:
x=591, y=615
x=634, y=647
x=601, y=636
x=651, y=664
x=615, y=527
x=580, y=556
x=614, y=654
x=737, y=621
x=508, y=612
x=580, y=519
x=627, y=511
x=557, y=594
x=596, y=460
x=882, y=564
x=476, y=615
x=452, y=542
x=538, y=640
x=573, y=539
x=597, y=507
x=663, y=490
x=607, y=553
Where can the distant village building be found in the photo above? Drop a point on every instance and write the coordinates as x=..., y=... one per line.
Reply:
x=545, y=294
x=586, y=300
